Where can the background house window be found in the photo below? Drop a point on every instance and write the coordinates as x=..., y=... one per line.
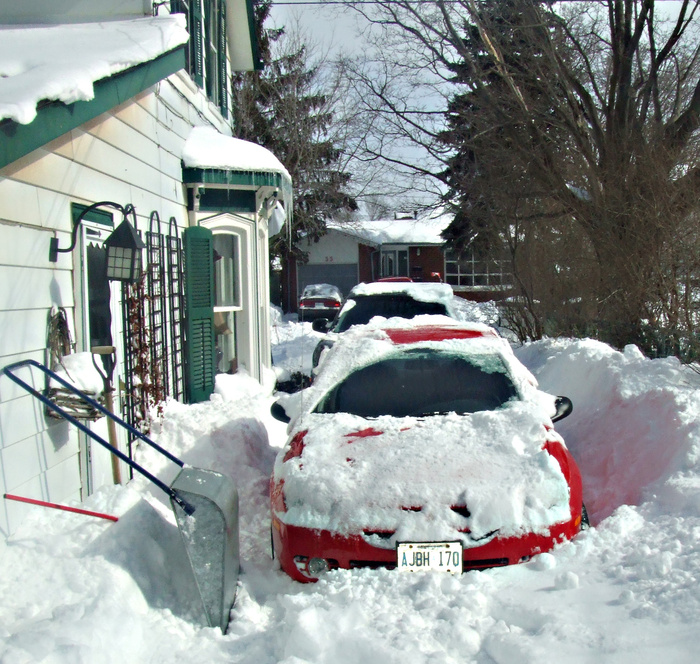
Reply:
x=468, y=269
x=394, y=262
x=205, y=57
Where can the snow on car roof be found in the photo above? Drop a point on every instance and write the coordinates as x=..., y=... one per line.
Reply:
x=421, y=291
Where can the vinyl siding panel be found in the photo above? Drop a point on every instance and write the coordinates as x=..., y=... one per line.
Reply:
x=20, y=418
x=28, y=458
x=22, y=332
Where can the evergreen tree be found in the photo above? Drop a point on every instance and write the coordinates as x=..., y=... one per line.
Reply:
x=286, y=109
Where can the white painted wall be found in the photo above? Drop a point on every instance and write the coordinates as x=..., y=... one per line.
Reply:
x=333, y=247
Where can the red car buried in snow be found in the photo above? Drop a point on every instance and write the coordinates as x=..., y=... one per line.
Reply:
x=423, y=444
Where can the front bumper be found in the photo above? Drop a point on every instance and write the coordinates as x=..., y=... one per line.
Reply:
x=295, y=545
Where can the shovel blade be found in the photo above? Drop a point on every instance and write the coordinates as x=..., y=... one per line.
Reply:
x=210, y=536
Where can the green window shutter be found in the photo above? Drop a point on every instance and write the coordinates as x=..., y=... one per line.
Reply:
x=197, y=37
x=200, y=352
x=223, y=72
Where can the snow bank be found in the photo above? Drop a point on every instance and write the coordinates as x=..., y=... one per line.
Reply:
x=634, y=430
x=625, y=591
x=292, y=345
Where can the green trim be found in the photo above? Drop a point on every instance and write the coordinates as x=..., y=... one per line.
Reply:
x=200, y=344
x=222, y=63
x=55, y=119
x=196, y=28
x=258, y=64
x=233, y=178
x=101, y=217
x=223, y=200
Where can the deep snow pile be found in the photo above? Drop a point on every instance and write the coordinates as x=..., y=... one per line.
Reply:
x=292, y=345
x=75, y=589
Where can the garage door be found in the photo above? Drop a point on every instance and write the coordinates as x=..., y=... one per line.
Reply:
x=344, y=276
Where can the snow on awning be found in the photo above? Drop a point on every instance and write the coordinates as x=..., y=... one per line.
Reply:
x=63, y=62
x=207, y=148
x=212, y=158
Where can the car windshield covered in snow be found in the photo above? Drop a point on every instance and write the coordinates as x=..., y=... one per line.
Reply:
x=387, y=305
x=422, y=382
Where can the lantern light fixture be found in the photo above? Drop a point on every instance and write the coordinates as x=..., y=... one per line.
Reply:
x=124, y=246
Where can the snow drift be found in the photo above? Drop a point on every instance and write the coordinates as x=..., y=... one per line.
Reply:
x=625, y=591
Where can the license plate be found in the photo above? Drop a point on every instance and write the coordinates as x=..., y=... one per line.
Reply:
x=319, y=305
x=429, y=556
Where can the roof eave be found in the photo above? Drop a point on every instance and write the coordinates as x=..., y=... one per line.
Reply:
x=55, y=118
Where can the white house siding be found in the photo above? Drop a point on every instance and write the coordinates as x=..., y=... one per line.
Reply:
x=129, y=155
x=37, y=456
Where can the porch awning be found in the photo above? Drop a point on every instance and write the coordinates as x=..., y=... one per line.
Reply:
x=212, y=158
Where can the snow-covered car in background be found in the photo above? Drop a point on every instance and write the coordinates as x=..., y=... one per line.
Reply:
x=387, y=299
x=320, y=301
x=422, y=444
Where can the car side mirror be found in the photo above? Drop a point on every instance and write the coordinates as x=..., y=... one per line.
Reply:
x=279, y=413
x=563, y=406
x=320, y=325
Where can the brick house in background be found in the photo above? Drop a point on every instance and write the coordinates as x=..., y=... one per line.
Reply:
x=406, y=246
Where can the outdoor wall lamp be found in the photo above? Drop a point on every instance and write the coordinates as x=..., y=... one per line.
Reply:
x=123, y=246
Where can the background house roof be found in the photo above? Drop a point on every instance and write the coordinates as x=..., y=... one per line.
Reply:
x=424, y=230
x=63, y=62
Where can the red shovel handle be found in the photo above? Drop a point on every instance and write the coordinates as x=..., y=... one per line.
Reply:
x=43, y=503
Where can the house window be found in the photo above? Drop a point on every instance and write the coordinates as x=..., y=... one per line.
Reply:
x=469, y=270
x=206, y=51
x=227, y=299
x=394, y=262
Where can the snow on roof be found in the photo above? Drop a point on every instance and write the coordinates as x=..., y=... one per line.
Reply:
x=62, y=62
x=207, y=148
x=423, y=230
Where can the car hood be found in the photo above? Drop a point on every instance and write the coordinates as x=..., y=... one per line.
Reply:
x=442, y=477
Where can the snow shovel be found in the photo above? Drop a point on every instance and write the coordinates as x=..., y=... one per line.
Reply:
x=205, y=504
x=211, y=538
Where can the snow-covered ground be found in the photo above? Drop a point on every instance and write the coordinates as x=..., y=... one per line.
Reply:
x=78, y=589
